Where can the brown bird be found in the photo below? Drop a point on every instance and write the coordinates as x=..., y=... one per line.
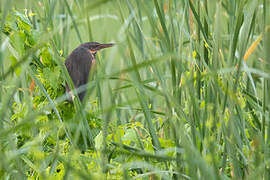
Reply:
x=80, y=62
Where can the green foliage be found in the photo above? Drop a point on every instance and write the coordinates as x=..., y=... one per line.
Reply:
x=182, y=95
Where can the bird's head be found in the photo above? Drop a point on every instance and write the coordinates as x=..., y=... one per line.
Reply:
x=94, y=47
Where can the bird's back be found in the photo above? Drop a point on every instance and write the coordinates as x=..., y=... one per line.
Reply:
x=78, y=64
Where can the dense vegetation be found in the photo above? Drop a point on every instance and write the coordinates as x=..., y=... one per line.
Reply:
x=184, y=94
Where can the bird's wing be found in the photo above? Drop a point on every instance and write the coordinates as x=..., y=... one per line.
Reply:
x=78, y=64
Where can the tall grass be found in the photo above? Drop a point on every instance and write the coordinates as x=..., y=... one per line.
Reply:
x=182, y=95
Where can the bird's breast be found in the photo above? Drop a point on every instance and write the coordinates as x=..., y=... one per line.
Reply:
x=94, y=61
x=93, y=65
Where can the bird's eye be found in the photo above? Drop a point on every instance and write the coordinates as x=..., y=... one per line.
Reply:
x=94, y=53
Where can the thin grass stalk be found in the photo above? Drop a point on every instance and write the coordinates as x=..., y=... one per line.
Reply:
x=163, y=24
x=105, y=127
x=73, y=21
x=198, y=70
x=197, y=17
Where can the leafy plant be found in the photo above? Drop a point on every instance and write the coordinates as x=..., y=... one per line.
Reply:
x=182, y=95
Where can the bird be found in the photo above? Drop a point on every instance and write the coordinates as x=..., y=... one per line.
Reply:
x=80, y=62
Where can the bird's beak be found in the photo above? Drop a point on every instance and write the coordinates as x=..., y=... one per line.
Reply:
x=102, y=46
